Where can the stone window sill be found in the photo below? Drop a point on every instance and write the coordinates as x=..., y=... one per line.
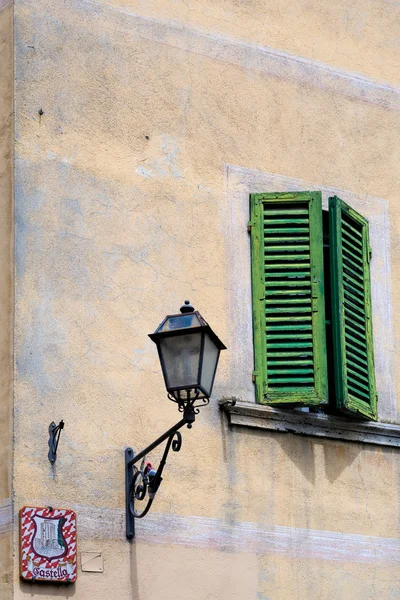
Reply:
x=247, y=414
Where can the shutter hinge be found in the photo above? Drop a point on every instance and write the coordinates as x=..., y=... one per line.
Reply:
x=254, y=376
x=369, y=254
x=250, y=224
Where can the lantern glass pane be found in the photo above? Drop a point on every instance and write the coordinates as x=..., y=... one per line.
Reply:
x=181, y=355
x=186, y=321
x=210, y=358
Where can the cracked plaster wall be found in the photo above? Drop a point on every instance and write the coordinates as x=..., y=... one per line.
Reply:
x=120, y=215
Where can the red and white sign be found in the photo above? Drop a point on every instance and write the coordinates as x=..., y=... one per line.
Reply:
x=48, y=544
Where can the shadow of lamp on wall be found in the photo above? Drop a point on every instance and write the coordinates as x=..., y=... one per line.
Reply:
x=188, y=350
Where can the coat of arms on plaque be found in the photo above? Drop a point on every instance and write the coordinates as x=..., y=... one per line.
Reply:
x=48, y=544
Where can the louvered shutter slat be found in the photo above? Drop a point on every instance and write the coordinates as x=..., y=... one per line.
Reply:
x=351, y=311
x=288, y=302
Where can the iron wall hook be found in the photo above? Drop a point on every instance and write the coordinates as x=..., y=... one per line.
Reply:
x=54, y=433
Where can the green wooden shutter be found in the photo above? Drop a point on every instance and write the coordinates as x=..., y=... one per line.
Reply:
x=351, y=310
x=288, y=298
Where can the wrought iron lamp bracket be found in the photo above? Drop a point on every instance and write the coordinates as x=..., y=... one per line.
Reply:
x=142, y=483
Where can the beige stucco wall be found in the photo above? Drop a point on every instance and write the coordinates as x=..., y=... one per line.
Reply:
x=122, y=192
x=6, y=100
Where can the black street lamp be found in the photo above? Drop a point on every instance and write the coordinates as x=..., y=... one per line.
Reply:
x=189, y=351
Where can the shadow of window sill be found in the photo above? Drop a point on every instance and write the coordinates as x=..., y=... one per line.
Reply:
x=247, y=414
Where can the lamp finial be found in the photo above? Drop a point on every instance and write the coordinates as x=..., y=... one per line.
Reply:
x=187, y=307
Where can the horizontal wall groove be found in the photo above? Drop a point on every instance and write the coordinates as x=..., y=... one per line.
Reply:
x=265, y=60
x=94, y=522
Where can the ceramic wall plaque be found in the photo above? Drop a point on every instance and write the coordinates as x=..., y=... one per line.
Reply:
x=48, y=544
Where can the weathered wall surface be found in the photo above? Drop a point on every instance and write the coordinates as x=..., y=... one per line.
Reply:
x=121, y=189
x=6, y=102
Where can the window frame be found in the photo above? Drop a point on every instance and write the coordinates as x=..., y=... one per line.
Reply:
x=239, y=182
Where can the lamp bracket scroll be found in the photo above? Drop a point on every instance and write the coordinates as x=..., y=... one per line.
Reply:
x=142, y=483
x=54, y=438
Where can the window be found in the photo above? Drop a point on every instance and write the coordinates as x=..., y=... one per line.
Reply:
x=312, y=304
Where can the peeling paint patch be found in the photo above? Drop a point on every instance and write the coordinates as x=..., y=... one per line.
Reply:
x=54, y=156
x=163, y=166
x=39, y=360
x=27, y=234
x=6, y=517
